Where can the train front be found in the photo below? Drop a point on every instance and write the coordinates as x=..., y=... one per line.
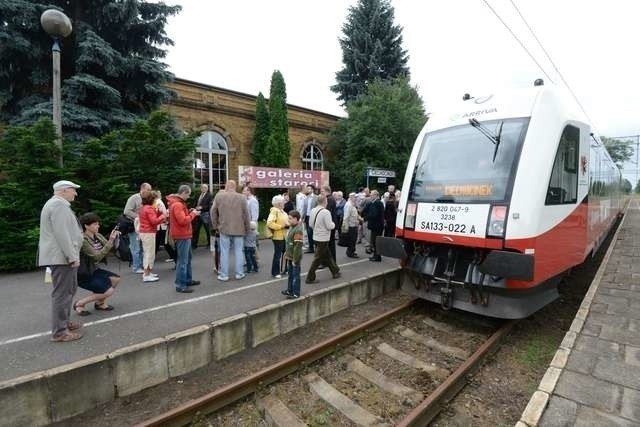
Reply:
x=454, y=209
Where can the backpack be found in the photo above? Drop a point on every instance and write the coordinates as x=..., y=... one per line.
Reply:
x=125, y=225
x=122, y=248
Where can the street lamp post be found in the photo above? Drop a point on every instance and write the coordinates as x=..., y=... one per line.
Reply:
x=58, y=26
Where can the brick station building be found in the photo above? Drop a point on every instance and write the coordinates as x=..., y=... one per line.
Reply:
x=226, y=119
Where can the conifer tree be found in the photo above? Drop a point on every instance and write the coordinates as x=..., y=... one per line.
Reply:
x=110, y=69
x=278, y=147
x=261, y=134
x=371, y=49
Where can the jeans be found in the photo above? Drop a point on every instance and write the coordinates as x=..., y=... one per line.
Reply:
x=293, y=283
x=183, y=264
x=136, y=251
x=250, y=259
x=225, y=245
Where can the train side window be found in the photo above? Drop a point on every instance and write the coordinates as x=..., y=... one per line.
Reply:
x=563, y=185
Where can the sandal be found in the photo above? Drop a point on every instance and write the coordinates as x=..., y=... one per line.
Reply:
x=69, y=336
x=103, y=307
x=82, y=311
x=72, y=326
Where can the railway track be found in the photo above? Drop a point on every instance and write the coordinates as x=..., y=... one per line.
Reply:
x=399, y=368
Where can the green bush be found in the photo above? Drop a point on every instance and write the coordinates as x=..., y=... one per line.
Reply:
x=109, y=169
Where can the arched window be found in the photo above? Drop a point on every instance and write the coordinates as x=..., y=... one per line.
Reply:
x=211, y=160
x=312, y=158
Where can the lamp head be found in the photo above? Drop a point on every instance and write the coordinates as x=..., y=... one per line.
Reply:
x=56, y=23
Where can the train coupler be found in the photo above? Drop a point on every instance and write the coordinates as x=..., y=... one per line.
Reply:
x=446, y=297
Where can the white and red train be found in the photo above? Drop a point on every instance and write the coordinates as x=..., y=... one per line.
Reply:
x=503, y=195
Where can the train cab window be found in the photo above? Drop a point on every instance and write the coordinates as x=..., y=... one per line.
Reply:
x=563, y=186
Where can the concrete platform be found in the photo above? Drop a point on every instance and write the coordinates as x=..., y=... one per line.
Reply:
x=594, y=378
x=144, y=311
x=158, y=340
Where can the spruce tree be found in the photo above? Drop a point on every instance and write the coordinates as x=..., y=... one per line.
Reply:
x=278, y=148
x=261, y=134
x=110, y=69
x=371, y=49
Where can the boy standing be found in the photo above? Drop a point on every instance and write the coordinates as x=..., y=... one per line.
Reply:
x=250, y=246
x=293, y=255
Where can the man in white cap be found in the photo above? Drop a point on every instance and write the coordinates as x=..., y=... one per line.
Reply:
x=59, y=248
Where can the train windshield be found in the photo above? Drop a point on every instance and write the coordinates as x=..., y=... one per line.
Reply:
x=469, y=163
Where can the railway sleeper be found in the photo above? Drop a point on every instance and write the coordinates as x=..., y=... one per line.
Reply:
x=277, y=413
x=342, y=403
x=432, y=343
x=379, y=379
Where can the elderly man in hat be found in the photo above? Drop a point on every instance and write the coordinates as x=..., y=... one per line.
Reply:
x=59, y=248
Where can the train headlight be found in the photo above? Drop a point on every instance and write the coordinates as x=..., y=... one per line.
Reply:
x=497, y=221
x=410, y=217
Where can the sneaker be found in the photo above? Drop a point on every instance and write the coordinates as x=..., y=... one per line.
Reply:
x=241, y=276
x=277, y=276
x=154, y=274
x=66, y=337
x=223, y=278
x=293, y=296
x=285, y=292
x=337, y=275
x=139, y=271
x=310, y=282
x=150, y=278
x=194, y=283
x=184, y=290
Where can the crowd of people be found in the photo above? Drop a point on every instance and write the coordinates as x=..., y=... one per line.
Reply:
x=310, y=221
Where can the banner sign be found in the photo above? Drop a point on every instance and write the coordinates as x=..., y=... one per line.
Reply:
x=263, y=177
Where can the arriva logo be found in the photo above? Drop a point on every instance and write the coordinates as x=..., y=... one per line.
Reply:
x=472, y=114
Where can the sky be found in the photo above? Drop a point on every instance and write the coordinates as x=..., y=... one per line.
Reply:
x=454, y=47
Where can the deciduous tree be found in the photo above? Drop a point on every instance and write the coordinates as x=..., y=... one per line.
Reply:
x=619, y=150
x=380, y=131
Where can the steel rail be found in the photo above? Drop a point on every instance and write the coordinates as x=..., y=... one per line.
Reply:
x=228, y=394
x=433, y=404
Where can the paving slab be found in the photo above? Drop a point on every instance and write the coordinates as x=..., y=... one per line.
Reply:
x=599, y=385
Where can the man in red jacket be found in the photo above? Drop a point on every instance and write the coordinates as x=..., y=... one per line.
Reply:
x=180, y=218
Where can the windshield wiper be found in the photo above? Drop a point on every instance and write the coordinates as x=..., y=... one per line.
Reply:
x=494, y=138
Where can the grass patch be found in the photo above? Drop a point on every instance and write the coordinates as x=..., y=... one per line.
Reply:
x=538, y=351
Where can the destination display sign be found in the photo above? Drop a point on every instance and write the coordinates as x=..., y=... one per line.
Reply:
x=452, y=218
